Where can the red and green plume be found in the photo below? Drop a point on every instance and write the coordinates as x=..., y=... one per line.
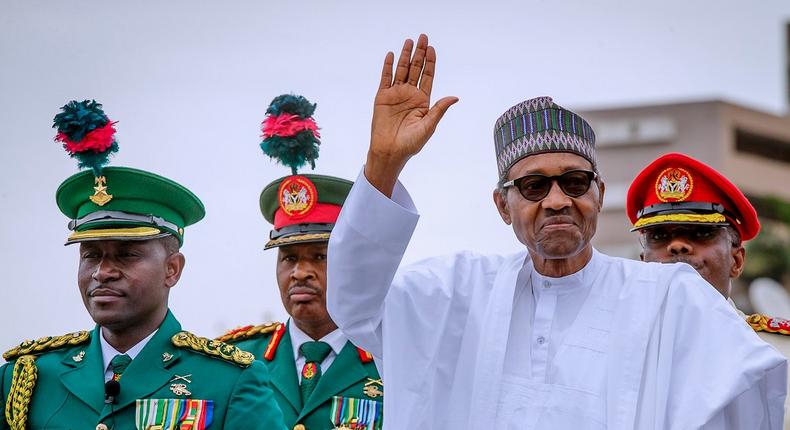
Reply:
x=290, y=133
x=86, y=133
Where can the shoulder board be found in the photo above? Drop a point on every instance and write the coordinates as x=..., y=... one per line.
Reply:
x=46, y=344
x=247, y=332
x=271, y=348
x=212, y=348
x=760, y=322
x=364, y=356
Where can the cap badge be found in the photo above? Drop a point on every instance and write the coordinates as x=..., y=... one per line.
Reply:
x=100, y=196
x=297, y=196
x=674, y=185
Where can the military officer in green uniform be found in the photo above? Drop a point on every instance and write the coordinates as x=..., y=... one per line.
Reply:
x=321, y=380
x=137, y=368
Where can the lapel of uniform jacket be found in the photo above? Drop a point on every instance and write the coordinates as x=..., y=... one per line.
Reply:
x=345, y=371
x=283, y=372
x=148, y=372
x=84, y=373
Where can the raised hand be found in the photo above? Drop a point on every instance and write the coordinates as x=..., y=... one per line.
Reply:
x=403, y=119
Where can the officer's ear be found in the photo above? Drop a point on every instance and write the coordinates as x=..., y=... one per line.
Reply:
x=738, y=259
x=174, y=266
x=500, y=201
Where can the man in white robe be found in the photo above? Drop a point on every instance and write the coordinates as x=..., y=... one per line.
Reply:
x=558, y=336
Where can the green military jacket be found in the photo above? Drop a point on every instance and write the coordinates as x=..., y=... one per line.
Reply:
x=352, y=376
x=69, y=390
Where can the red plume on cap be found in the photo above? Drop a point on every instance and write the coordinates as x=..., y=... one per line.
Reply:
x=677, y=189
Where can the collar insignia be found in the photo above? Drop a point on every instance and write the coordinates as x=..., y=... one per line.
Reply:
x=372, y=388
x=77, y=358
x=180, y=390
x=184, y=378
x=674, y=184
x=298, y=196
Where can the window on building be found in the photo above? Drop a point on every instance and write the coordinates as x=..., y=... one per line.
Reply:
x=762, y=146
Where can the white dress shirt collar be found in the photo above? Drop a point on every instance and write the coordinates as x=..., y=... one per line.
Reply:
x=335, y=339
x=108, y=352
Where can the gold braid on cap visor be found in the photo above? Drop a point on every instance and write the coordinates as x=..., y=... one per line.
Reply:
x=707, y=218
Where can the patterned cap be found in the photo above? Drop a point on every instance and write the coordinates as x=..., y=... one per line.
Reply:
x=537, y=126
x=677, y=189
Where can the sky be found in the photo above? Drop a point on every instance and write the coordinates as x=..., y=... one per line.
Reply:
x=189, y=83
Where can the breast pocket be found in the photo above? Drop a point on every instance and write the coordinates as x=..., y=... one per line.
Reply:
x=582, y=362
x=521, y=403
x=568, y=408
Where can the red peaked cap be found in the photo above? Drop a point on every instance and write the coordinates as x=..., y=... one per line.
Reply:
x=677, y=189
x=303, y=208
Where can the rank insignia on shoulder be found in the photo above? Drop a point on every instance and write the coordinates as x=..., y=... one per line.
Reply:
x=192, y=414
x=760, y=322
x=364, y=356
x=248, y=331
x=271, y=348
x=47, y=343
x=212, y=348
x=349, y=413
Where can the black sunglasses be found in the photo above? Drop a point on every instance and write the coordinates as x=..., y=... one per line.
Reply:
x=536, y=187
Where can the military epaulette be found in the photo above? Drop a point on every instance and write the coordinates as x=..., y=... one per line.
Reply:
x=46, y=344
x=247, y=332
x=760, y=322
x=212, y=348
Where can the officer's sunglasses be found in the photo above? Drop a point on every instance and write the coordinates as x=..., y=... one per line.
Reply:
x=536, y=187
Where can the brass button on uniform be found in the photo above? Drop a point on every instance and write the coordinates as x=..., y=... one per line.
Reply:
x=300, y=427
x=102, y=426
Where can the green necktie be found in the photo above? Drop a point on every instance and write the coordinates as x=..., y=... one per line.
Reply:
x=314, y=353
x=119, y=363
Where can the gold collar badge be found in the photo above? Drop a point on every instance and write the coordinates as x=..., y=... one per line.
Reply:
x=372, y=388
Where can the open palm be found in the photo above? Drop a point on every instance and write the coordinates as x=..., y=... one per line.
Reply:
x=403, y=119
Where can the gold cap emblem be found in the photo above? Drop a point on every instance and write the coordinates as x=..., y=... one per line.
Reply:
x=298, y=196
x=674, y=185
x=100, y=196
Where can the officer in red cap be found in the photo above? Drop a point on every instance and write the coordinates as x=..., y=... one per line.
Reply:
x=321, y=380
x=687, y=212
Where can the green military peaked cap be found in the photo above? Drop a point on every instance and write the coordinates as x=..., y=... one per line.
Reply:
x=331, y=190
x=126, y=204
x=303, y=208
